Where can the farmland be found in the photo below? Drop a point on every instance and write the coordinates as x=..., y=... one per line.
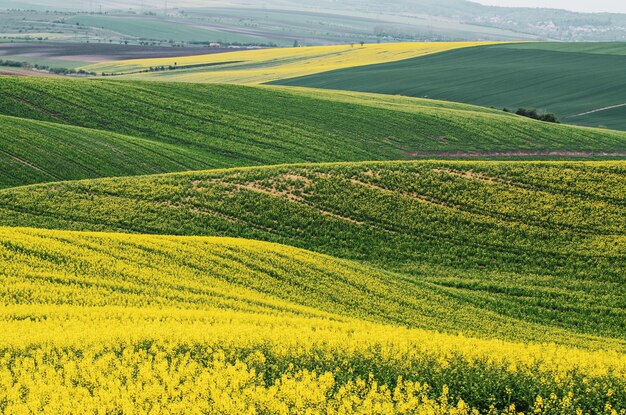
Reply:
x=259, y=66
x=552, y=221
x=254, y=24
x=73, y=55
x=167, y=336
x=178, y=127
x=136, y=318
x=215, y=234
x=327, y=21
x=154, y=29
x=551, y=76
x=35, y=152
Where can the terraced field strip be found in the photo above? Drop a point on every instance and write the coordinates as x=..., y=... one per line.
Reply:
x=259, y=66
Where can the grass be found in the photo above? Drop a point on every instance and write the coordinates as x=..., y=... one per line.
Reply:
x=600, y=48
x=567, y=79
x=73, y=129
x=259, y=66
x=537, y=242
x=161, y=323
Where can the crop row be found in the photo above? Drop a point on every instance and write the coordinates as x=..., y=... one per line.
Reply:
x=257, y=66
x=112, y=323
x=214, y=126
x=504, y=237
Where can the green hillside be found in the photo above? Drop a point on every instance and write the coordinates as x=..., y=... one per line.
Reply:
x=538, y=242
x=567, y=79
x=275, y=250
x=130, y=128
x=155, y=28
x=37, y=151
x=199, y=273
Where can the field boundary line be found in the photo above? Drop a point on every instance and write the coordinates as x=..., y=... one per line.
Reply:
x=598, y=110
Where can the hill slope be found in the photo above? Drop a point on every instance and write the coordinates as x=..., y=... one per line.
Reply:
x=35, y=151
x=199, y=273
x=568, y=79
x=174, y=127
x=328, y=20
x=501, y=236
x=102, y=320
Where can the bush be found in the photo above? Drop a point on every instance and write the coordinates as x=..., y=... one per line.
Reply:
x=532, y=113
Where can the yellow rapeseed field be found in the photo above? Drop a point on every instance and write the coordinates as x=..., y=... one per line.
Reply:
x=103, y=323
x=265, y=65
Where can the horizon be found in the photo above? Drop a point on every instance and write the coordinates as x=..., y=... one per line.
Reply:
x=599, y=6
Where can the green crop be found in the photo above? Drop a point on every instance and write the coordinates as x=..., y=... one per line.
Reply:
x=535, y=242
x=160, y=127
x=572, y=80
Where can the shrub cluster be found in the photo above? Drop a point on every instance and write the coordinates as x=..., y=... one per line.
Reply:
x=46, y=68
x=532, y=113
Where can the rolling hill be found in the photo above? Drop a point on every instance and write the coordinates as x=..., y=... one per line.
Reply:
x=152, y=28
x=291, y=257
x=37, y=151
x=536, y=242
x=62, y=129
x=324, y=21
x=199, y=273
x=581, y=83
x=111, y=320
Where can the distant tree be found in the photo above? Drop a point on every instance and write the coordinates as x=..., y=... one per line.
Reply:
x=532, y=113
x=549, y=117
x=362, y=43
x=296, y=43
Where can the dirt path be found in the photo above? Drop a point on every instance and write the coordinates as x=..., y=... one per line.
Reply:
x=598, y=110
x=467, y=154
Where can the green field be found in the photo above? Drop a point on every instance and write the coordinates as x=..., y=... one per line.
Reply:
x=73, y=129
x=277, y=24
x=567, y=79
x=50, y=62
x=145, y=28
x=36, y=151
x=535, y=242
